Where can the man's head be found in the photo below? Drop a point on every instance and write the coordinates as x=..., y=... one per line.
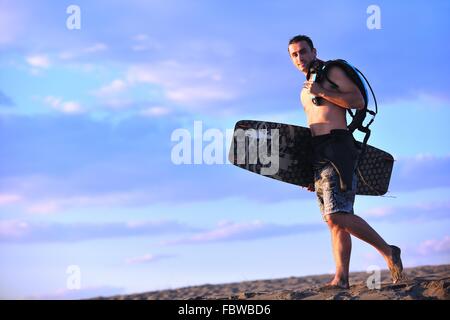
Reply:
x=302, y=52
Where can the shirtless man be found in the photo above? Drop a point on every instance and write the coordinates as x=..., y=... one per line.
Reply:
x=336, y=205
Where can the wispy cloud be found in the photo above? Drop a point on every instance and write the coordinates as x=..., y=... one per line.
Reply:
x=156, y=111
x=115, y=95
x=46, y=207
x=97, y=47
x=379, y=212
x=199, y=94
x=143, y=42
x=83, y=51
x=24, y=232
x=147, y=258
x=115, y=87
x=67, y=107
x=411, y=212
x=8, y=198
x=184, y=83
x=192, y=86
x=13, y=229
x=61, y=203
x=232, y=231
x=435, y=246
x=38, y=61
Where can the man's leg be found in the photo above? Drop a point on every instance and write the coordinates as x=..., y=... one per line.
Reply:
x=356, y=226
x=342, y=247
x=343, y=224
x=359, y=228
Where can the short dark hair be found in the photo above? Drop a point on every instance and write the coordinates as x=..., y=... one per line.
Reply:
x=302, y=37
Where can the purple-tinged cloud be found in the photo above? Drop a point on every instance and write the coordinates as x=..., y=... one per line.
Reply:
x=244, y=231
x=147, y=258
x=414, y=212
x=25, y=232
x=231, y=231
x=435, y=246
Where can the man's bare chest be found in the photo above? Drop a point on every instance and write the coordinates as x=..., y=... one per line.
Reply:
x=307, y=99
x=324, y=111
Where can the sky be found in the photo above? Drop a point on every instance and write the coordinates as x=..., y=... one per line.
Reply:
x=91, y=201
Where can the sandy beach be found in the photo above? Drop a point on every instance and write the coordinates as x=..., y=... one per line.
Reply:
x=420, y=283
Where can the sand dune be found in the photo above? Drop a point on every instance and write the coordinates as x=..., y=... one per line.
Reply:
x=427, y=282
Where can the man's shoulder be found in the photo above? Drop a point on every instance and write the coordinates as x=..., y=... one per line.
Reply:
x=339, y=74
x=337, y=70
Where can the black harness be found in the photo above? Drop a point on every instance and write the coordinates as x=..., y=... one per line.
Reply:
x=320, y=69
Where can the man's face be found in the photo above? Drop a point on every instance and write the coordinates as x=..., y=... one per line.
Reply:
x=301, y=55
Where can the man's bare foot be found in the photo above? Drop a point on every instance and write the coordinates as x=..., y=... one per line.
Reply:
x=395, y=264
x=337, y=284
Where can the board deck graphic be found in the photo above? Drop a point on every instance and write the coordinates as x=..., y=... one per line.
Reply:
x=283, y=152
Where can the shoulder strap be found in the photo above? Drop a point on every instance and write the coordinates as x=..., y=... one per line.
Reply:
x=358, y=117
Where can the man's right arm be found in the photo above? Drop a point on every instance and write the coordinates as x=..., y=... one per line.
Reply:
x=347, y=95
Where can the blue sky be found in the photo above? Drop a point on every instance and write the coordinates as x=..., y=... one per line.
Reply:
x=86, y=118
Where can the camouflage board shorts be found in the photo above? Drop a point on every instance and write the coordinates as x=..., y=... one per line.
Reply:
x=329, y=195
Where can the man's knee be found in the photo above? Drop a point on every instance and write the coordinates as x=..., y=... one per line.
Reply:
x=336, y=220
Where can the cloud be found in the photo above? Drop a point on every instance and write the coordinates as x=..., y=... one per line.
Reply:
x=98, y=47
x=18, y=231
x=5, y=100
x=38, y=61
x=147, y=258
x=435, y=246
x=67, y=107
x=411, y=212
x=117, y=95
x=198, y=94
x=8, y=198
x=13, y=229
x=379, y=212
x=83, y=51
x=231, y=231
x=188, y=86
x=115, y=87
x=156, y=111
x=58, y=204
x=140, y=37
x=143, y=42
x=46, y=207
x=184, y=83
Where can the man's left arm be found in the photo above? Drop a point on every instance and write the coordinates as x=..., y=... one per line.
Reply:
x=347, y=95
